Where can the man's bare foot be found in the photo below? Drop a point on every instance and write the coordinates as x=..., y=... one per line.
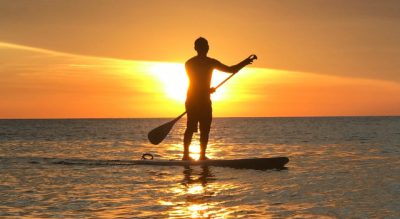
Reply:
x=187, y=158
x=204, y=158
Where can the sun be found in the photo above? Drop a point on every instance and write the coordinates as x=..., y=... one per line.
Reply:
x=173, y=78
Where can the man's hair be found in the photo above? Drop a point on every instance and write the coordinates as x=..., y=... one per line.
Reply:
x=201, y=45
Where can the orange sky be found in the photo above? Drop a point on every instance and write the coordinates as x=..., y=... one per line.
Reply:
x=96, y=59
x=46, y=84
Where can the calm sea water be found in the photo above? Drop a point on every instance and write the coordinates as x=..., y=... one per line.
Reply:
x=345, y=167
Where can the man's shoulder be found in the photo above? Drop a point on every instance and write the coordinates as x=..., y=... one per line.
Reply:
x=214, y=60
x=201, y=59
x=191, y=60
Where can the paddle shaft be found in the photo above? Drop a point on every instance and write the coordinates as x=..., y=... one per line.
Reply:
x=158, y=134
x=220, y=84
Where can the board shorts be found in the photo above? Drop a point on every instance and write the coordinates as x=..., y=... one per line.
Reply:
x=199, y=113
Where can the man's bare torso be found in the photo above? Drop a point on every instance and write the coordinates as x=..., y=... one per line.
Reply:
x=199, y=70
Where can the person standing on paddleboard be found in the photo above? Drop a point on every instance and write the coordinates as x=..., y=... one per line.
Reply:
x=198, y=102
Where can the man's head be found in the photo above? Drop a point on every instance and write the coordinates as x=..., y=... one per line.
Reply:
x=201, y=46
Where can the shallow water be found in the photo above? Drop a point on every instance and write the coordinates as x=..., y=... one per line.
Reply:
x=345, y=167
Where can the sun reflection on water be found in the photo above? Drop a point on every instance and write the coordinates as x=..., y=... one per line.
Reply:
x=196, y=195
x=195, y=150
x=199, y=211
x=176, y=150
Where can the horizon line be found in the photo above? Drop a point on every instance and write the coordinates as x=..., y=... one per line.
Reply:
x=217, y=117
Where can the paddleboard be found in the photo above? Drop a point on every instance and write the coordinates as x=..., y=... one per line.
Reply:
x=250, y=163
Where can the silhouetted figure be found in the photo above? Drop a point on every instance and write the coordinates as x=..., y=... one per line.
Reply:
x=198, y=103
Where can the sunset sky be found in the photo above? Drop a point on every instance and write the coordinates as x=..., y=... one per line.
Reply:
x=120, y=58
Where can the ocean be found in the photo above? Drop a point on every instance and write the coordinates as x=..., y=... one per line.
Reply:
x=340, y=167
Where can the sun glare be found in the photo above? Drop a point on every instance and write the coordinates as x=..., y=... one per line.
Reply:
x=174, y=81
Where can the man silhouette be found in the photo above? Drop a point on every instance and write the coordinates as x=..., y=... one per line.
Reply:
x=198, y=103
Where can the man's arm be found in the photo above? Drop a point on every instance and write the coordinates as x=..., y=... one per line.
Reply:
x=235, y=68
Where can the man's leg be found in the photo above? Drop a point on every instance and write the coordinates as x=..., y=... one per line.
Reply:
x=204, y=134
x=187, y=139
x=191, y=127
x=205, y=126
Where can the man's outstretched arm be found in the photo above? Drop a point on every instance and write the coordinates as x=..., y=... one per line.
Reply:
x=235, y=68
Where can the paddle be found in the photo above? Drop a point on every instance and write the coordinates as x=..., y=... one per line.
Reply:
x=157, y=135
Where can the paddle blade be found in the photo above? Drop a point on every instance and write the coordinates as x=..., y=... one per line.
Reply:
x=157, y=135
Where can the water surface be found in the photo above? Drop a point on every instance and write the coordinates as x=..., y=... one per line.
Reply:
x=344, y=167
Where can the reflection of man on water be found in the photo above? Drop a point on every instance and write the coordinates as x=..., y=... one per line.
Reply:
x=198, y=103
x=204, y=178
